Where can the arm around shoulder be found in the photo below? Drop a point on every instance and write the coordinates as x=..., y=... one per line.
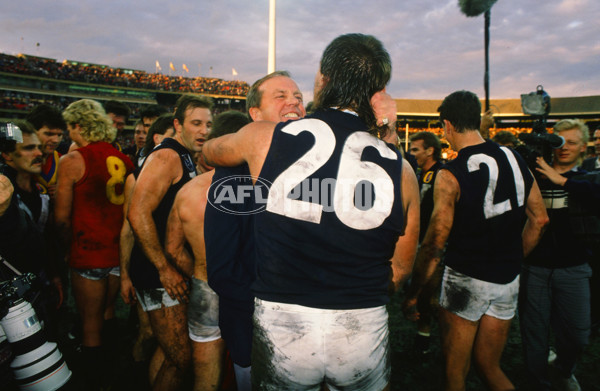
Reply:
x=240, y=147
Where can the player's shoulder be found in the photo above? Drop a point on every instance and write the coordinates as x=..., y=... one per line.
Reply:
x=196, y=188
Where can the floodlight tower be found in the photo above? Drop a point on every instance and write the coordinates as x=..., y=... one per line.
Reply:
x=473, y=8
x=271, y=62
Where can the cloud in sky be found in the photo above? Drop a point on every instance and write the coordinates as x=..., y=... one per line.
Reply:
x=435, y=49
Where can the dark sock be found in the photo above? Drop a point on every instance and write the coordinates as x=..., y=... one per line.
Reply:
x=92, y=360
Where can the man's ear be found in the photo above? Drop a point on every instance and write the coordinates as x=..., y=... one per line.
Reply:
x=177, y=126
x=6, y=156
x=255, y=114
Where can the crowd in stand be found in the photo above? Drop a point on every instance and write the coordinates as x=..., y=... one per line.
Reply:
x=100, y=74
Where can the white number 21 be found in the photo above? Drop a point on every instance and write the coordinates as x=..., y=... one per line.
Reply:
x=490, y=209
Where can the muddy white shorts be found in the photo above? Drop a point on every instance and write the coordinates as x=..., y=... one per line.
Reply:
x=154, y=299
x=203, y=313
x=298, y=348
x=471, y=298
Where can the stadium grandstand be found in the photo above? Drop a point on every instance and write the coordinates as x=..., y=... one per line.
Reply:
x=26, y=81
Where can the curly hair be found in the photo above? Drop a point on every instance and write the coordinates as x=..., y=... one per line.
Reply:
x=91, y=117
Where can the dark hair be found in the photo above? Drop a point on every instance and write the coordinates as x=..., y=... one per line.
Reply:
x=462, y=109
x=8, y=146
x=430, y=140
x=228, y=122
x=153, y=111
x=117, y=108
x=254, y=96
x=186, y=102
x=354, y=68
x=46, y=115
x=505, y=137
x=160, y=126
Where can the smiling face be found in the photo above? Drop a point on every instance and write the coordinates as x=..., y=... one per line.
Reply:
x=27, y=156
x=50, y=138
x=568, y=155
x=196, y=126
x=281, y=101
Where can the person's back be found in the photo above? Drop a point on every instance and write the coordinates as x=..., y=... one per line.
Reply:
x=485, y=241
x=329, y=244
x=488, y=213
x=97, y=207
x=348, y=214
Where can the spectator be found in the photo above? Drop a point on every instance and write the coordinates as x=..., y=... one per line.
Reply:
x=50, y=128
x=555, y=290
x=27, y=239
x=506, y=138
x=593, y=163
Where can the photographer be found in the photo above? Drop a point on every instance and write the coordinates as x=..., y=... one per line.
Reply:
x=555, y=288
x=26, y=241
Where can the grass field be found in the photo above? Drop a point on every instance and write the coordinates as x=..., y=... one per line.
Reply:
x=409, y=371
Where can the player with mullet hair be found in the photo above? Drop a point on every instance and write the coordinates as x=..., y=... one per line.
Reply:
x=324, y=261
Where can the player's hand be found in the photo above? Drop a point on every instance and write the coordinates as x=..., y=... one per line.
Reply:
x=409, y=308
x=6, y=192
x=385, y=110
x=174, y=283
x=128, y=291
x=545, y=169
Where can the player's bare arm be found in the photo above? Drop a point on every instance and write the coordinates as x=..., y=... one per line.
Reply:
x=71, y=168
x=537, y=219
x=126, y=241
x=175, y=237
x=161, y=170
x=406, y=246
x=248, y=145
x=445, y=194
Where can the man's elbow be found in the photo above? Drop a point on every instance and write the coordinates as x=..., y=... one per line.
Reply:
x=543, y=221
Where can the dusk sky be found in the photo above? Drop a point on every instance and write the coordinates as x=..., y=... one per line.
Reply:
x=435, y=48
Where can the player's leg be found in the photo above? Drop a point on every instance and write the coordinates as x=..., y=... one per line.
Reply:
x=90, y=295
x=90, y=298
x=428, y=307
x=156, y=362
x=489, y=344
x=208, y=348
x=112, y=291
x=458, y=336
x=169, y=325
x=208, y=364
